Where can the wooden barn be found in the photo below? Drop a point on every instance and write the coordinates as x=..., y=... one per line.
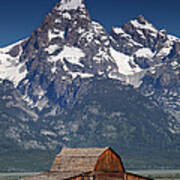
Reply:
x=87, y=164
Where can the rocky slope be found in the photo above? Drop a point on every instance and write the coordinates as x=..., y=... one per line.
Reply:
x=71, y=83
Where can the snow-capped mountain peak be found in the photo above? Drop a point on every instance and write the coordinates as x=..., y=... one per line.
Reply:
x=70, y=5
x=64, y=60
x=141, y=23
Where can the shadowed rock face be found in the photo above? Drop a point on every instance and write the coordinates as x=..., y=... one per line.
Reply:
x=47, y=76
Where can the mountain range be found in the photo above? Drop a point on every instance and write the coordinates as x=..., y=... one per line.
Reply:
x=73, y=84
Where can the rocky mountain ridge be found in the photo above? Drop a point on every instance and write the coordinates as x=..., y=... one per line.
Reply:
x=69, y=60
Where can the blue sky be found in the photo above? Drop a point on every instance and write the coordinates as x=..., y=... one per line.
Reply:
x=18, y=18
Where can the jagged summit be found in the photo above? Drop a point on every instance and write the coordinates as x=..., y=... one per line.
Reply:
x=69, y=9
x=141, y=23
x=70, y=4
x=141, y=19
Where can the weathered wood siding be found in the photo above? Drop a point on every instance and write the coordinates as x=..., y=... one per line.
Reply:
x=109, y=176
x=99, y=176
x=82, y=177
x=109, y=161
x=129, y=176
x=76, y=178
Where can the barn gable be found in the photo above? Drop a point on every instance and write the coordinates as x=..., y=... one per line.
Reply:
x=109, y=161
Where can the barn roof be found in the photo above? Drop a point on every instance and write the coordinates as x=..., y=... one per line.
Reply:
x=73, y=162
x=53, y=176
x=77, y=159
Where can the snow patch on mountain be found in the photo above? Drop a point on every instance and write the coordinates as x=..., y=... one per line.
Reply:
x=48, y=133
x=144, y=53
x=164, y=51
x=52, y=48
x=118, y=30
x=168, y=46
x=82, y=75
x=124, y=63
x=10, y=67
x=98, y=28
x=70, y=53
x=66, y=15
x=9, y=47
x=172, y=38
x=56, y=34
x=144, y=25
x=70, y=5
x=126, y=37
